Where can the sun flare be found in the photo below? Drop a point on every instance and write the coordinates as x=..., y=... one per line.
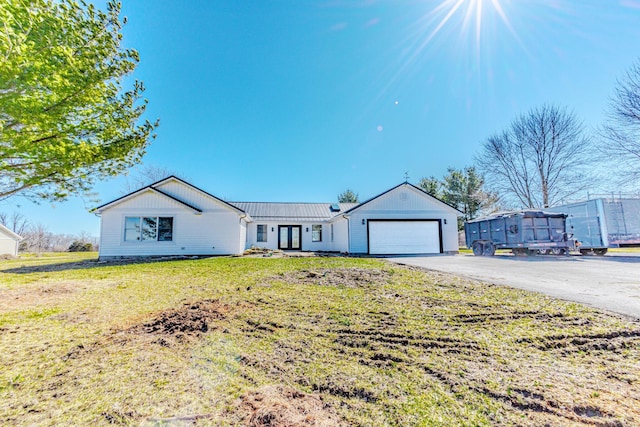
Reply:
x=473, y=31
x=473, y=14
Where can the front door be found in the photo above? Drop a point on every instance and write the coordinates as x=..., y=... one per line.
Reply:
x=289, y=237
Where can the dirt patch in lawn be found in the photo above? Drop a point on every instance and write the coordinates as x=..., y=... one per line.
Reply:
x=278, y=406
x=190, y=320
x=531, y=364
x=167, y=328
x=350, y=277
x=29, y=296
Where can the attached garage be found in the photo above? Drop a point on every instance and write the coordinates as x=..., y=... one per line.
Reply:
x=397, y=237
x=402, y=220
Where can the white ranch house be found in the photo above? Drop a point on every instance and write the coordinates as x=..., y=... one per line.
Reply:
x=9, y=241
x=173, y=217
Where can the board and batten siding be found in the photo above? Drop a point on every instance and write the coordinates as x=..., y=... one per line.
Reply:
x=191, y=196
x=403, y=203
x=218, y=230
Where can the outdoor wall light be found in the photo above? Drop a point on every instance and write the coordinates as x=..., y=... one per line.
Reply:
x=445, y=221
x=307, y=229
x=362, y=221
x=273, y=229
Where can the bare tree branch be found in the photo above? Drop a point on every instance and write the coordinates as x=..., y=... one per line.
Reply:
x=621, y=132
x=145, y=175
x=539, y=160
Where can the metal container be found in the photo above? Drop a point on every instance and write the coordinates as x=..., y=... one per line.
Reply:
x=602, y=223
x=527, y=232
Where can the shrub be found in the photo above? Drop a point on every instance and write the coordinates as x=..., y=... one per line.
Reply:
x=77, y=246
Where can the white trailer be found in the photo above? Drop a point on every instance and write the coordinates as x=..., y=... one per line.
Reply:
x=602, y=223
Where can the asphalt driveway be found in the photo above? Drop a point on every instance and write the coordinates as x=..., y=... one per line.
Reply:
x=611, y=282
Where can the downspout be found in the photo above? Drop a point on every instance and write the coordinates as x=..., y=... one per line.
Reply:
x=99, y=215
x=348, y=233
x=242, y=244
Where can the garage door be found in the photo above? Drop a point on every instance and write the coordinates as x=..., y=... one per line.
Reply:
x=404, y=237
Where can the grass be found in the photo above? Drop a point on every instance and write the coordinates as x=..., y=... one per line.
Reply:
x=624, y=250
x=208, y=341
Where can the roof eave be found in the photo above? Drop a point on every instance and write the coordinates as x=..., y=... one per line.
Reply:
x=129, y=196
x=119, y=200
x=175, y=178
x=11, y=233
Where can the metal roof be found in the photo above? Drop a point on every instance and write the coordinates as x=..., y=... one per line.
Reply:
x=291, y=211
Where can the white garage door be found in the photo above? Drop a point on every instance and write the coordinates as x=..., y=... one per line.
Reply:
x=404, y=237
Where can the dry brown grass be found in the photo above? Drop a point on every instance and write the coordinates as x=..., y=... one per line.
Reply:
x=279, y=406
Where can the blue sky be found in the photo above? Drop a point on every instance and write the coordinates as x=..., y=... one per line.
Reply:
x=291, y=100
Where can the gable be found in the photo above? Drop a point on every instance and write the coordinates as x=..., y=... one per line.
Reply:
x=193, y=195
x=404, y=198
x=148, y=199
x=145, y=198
x=174, y=190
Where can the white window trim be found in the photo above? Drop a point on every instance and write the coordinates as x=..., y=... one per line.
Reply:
x=313, y=233
x=147, y=242
x=264, y=233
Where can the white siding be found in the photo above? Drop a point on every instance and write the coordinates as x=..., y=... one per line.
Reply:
x=252, y=235
x=242, y=241
x=272, y=235
x=340, y=235
x=217, y=231
x=8, y=245
x=8, y=242
x=404, y=202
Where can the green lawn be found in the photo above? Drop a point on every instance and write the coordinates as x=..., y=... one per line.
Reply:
x=624, y=250
x=308, y=341
x=620, y=251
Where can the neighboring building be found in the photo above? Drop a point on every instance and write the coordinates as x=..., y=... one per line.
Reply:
x=173, y=217
x=9, y=241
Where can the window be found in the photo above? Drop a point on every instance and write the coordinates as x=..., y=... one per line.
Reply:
x=262, y=233
x=148, y=228
x=165, y=229
x=131, y=229
x=316, y=233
